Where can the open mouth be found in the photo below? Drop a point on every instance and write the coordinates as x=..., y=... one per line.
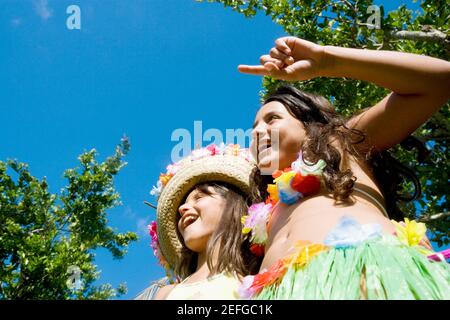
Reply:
x=263, y=147
x=188, y=220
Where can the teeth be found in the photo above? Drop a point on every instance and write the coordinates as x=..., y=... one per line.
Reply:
x=189, y=220
x=262, y=148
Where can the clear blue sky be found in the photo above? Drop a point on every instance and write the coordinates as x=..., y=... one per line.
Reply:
x=137, y=67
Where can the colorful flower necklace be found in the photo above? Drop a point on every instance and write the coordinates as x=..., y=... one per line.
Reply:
x=292, y=184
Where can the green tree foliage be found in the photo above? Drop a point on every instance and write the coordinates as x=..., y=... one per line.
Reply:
x=351, y=23
x=47, y=240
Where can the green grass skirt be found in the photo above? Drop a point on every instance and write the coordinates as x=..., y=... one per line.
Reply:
x=383, y=268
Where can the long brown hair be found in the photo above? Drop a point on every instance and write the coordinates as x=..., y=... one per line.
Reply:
x=323, y=125
x=231, y=245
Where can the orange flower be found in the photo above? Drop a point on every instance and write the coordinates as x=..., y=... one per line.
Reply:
x=164, y=178
x=305, y=251
x=269, y=277
x=277, y=173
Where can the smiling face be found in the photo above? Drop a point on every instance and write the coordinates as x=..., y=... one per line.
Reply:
x=200, y=216
x=271, y=119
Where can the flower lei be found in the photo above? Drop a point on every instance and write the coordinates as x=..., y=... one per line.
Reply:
x=292, y=184
x=171, y=170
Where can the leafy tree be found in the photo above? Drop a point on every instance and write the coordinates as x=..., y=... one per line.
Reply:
x=353, y=23
x=47, y=240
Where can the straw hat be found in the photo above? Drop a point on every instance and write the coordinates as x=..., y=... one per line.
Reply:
x=230, y=164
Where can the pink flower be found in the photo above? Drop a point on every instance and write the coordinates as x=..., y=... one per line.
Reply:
x=245, y=290
x=440, y=256
x=152, y=230
x=256, y=209
x=213, y=149
x=256, y=221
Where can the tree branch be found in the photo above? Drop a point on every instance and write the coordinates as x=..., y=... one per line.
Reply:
x=350, y=6
x=431, y=137
x=150, y=205
x=431, y=36
x=436, y=216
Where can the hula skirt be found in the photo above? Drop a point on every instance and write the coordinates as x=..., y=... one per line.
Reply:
x=379, y=267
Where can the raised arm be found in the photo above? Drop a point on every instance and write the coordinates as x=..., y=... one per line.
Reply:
x=420, y=85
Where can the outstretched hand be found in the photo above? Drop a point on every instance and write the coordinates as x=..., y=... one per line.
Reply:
x=291, y=59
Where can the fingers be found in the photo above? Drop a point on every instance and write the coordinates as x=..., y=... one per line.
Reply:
x=277, y=54
x=271, y=64
x=267, y=58
x=255, y=70
x=271, y=67
x=268, y=69
x=276, y=72
x=281, y=45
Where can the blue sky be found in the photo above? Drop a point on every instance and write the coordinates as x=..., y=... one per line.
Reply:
x=137, y=67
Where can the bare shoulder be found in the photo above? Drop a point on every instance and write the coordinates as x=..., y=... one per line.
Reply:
x=163, y=292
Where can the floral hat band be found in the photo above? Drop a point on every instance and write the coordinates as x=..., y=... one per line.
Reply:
x=230, y=164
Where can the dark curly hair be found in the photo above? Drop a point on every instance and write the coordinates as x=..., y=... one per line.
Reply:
x=323, y=125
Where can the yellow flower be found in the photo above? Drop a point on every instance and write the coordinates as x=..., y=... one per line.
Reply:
x=305, y=251
x=233, y=150
x=411, y=233
x=245, y=230
x=273, y=192
x=286, y=177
